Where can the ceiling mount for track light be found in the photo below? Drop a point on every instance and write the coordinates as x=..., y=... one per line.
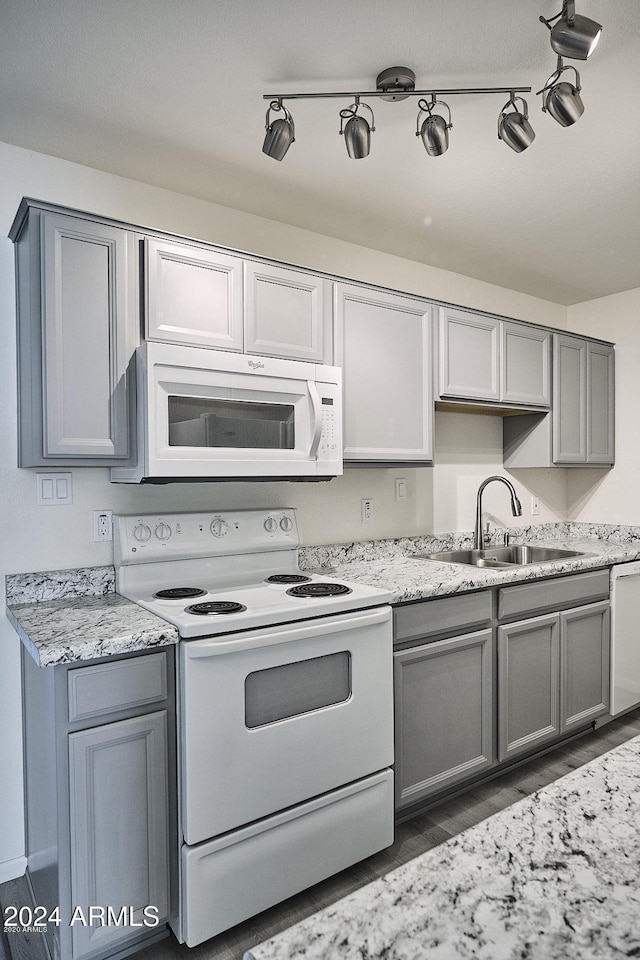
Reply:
x=396, y=82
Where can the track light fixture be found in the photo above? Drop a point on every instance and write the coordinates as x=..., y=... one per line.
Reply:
x=280, y=133
x=573, y=36
x=435, y=129
x=562, y=99
x=357, y=130
x=514, y=127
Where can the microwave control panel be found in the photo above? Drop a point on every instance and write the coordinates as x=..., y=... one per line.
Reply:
x=328, y=449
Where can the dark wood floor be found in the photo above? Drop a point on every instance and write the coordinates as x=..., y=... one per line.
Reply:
x=413, y=837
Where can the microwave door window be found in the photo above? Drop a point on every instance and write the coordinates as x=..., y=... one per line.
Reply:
x=217, y=423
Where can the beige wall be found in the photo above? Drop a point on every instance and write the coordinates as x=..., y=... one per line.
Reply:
x=44, y=538
x=611, y=496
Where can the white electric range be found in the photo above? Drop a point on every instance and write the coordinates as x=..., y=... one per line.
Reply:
x=285, y=709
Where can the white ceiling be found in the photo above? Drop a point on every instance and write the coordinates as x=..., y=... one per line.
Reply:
x=170, y=92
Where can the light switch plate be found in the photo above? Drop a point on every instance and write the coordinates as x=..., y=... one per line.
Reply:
x=54, y=489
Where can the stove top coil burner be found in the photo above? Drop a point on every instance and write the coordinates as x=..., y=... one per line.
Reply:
x=288, y=578
x=215, y=608
x=319, y=590
x=179, y=593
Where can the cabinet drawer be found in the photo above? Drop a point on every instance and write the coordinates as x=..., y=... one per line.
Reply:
x=557, y=594
x=429, y=618
x=106, y=687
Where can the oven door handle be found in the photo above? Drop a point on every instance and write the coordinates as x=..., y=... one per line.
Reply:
x=195, y=649
x=317, y=420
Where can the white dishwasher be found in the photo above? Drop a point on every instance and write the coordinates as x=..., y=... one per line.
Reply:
x=625, y=637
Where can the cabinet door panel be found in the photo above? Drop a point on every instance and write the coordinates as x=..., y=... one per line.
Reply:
x=469, y=355
x=585, y=664
x=119, y=822
x=382, y=342
x=85, y=307
x=526, y=353
x=443, y=704
x=528, y=711
x=600, y=404
x=569, y=400
x=287, y=313
x=193, y=295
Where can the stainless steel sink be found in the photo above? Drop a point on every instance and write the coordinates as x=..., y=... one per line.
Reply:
x=516, y=555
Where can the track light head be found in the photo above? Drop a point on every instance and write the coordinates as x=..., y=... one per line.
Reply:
x=357, y=130
x=434, y=129
x=562, y=99
x=514, y=128
x=573, y=36
x=280, y=132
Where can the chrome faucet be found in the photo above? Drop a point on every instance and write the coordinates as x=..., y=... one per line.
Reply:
x=516, y=508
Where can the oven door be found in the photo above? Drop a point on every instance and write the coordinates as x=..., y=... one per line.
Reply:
x=277, y=716
x=210, y=413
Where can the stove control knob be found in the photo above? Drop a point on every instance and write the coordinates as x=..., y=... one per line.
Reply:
x=271, y=524
x=219, y=527
x=141, y=532
x=286, y=524
x=163, y=531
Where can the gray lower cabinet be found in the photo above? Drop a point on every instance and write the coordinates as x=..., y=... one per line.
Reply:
x=443, y=692
x=100, y=801
x=584, y=668
x=77, y=332
x=465, y=705
x=444, y=718
x=553, y=670
x=528, y=691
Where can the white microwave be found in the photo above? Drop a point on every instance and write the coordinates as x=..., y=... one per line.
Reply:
x=207, y=414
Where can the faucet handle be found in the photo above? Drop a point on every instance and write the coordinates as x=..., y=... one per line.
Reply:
x=485, y=535
x=507, y=537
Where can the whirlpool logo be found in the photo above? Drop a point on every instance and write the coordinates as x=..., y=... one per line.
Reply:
x=256, y=364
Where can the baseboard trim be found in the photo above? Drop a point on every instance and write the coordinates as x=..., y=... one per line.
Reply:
x=12, y=869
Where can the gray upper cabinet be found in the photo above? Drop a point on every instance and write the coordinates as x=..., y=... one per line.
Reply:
x=600, y=404
x=570, y=400
x=197, y=294
x=526, y=365
x=469, y=355
x=382, y=341
x=484, y=359
x=580, y=429
x=287, y=313
x=77, y=332
x=193, y=295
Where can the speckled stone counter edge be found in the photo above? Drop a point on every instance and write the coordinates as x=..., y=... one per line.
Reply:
x=59, y=584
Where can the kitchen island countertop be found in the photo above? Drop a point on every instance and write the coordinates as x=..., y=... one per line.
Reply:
x=554, y=876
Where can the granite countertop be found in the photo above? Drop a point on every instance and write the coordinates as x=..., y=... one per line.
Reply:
x=392, y=566
x=67, y=615
x=554, y=876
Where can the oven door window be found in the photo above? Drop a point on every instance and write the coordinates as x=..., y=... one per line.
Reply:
x=293, y=689
x=213, y=422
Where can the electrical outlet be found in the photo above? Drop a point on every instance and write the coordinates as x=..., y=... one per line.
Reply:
x=535, y=506
x=102, y=529
x=401, y=489
x=367, y=510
